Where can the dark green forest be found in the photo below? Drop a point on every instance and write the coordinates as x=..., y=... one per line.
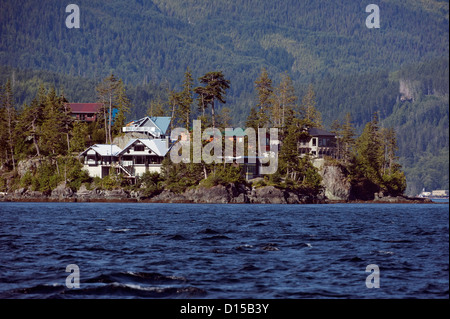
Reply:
x=399, y=70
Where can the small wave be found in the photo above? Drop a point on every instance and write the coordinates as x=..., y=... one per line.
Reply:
x=398, y=241
x=177, y=237
x=136, y=290
x=383, y=252
x=351, y=259
x=41, y=289
x=137, y=277
x=216, y=237
x=208, y=231
x=121, y=230
x=305, y=245
x=249, y=268
x=270, y=247
x=147, y=234
x=242, y=247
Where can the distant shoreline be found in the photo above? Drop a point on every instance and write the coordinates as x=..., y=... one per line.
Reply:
x=150, y=201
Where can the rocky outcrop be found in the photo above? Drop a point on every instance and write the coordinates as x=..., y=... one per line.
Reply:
x=224, y=194
x=336, y=185
x=28, y=165
x=381, y=198
x=268, y=195
x=62, y=192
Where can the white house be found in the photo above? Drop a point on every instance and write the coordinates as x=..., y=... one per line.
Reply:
x=98, y=158
x=138, y=156
x=143, y=155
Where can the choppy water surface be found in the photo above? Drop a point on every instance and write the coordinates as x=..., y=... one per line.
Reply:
x=223, y=251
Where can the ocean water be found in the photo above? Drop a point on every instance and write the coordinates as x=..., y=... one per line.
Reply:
x=223, y=251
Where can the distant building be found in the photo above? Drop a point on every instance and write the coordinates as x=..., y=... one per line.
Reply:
x=153, y=127
x=320, y=144
x=143, y=155
x=138, y=157
x=85, y=112
x=439, y=193
x=99, y=159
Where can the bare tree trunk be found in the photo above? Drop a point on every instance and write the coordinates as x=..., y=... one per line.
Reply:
x=106, y=125
x=110, y=117
x=213, y=115
x=33, y=126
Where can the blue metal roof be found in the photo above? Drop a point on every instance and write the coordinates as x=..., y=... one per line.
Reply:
x=162, y=122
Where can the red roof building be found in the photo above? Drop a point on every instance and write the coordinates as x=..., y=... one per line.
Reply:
x=86, y=112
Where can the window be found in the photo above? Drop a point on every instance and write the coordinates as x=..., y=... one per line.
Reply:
x=139, y=148
x=314, y=141
x=139, y=160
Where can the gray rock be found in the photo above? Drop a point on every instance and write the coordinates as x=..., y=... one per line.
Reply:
x=116, y=194
x=62, y=192
x=268, y=195
x=335, y=183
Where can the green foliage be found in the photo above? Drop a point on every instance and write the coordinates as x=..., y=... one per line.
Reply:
x=71, y=171
x=181, y=176
x=224, y=175
x=46, y=178
x=26, y=180
x=3, y=184
x=79, y=133
x=150, y=183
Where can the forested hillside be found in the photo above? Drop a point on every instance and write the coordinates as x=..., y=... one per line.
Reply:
x=399, y=70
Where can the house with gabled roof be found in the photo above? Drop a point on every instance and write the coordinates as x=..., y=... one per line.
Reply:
x=153, y=127
x=98, y=159
x=85, y=112
x=137, y=157
x=143, y=155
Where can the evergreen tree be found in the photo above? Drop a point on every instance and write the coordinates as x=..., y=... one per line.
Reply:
x=253, y=119
x=174, y=103
x=66, y=119
x=370, y=152
x=51, y=131
x=348, y=139
x=157, y=108
x=214, y=89
x=8, y=119
x=284, y=104
x=289, y=155
x=186, y=99
x=29, y=127
x=263, y=86
x=79, y=133
x=123, y=105
x=311, y=116
x=107, y=92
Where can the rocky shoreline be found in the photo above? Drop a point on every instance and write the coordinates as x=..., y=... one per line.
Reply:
x=220, y=194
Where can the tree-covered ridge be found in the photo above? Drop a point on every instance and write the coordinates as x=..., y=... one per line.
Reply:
x=149, y=41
